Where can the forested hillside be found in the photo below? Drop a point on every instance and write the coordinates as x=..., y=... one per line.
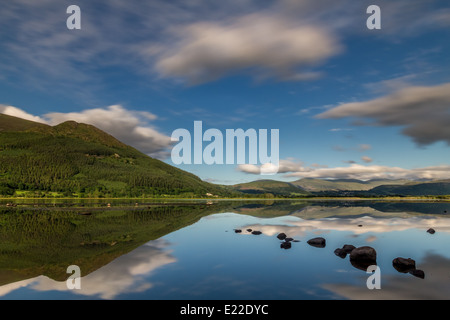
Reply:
x=74, y=159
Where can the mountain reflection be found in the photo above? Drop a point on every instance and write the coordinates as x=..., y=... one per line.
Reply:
x=126, y=274
x=298, y=227
x=194, y=251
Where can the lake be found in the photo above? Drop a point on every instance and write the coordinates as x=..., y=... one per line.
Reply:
x=199, y=250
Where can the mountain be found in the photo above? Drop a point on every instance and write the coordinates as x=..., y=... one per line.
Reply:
x=11, y=124
x=278, y=188
x=346, y=187
x=318, y=185
x=75, y=159
x=432, y=188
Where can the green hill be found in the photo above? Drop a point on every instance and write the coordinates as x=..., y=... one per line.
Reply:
x=79, y=160
x=74, y=159
x=318, y=185
x=9, y=123
x=274, y=187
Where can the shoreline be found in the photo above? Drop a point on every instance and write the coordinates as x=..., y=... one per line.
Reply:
x=424, y=198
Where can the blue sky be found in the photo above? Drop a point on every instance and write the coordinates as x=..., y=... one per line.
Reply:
x=348, y=102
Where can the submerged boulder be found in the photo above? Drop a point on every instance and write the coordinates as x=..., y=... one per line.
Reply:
x=285, y=245
x=348, y=248
x=281, y=236
x=418, y=273
x=318, y=242
x=340, y=253
x=363, y=257
x=363, y=253
x=404, y=265
x=408, y=265
x=344, y=251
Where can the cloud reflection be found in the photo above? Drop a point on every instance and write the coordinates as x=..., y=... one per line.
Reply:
x=408, y=287
x=294, y=226
x=126, y=274
x=133, y=272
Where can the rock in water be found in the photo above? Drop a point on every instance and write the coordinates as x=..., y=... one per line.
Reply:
x=363, y=257
x=256, y=232
x=285, y=245
x=348, y=248
x=363, y=253
x=342, y=252
x=431, y=231
x=407, y=266
x=418, y=273
x=317, y=242
x=404, y=265
x=281, y=236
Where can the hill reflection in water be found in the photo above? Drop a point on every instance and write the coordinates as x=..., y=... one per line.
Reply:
x=192, y=251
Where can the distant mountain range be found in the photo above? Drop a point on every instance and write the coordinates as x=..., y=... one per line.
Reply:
x=346, y=187
x=436, y=188
x=317, y=185
x=75, y=159
x=273, y=187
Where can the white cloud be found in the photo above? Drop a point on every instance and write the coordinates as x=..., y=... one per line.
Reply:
x=128, y=126
x=284, y=166
x=46, y=55
x=19, y=113
x=364, y=172
x=423, y=112
x=355, y=171
x=267, y=44
x=249, y=168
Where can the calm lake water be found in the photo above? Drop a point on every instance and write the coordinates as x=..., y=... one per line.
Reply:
x=177, y=251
